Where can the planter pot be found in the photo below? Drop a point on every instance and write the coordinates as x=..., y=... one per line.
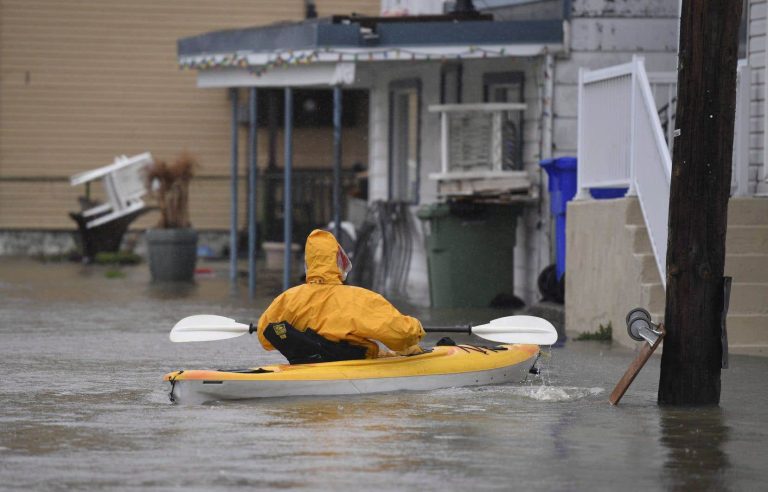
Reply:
x=172, y=254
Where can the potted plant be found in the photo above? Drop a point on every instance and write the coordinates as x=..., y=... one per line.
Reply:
x=172, y=244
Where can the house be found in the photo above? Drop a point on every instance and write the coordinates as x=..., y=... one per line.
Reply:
x=517, y=76
x=83, y=82
x=617, y=248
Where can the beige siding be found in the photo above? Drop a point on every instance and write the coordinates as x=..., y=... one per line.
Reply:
x=84, y=80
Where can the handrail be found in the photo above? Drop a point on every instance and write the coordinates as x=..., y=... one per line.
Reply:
x=651, y=183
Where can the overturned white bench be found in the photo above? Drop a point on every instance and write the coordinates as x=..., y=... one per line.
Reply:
x=124, y=183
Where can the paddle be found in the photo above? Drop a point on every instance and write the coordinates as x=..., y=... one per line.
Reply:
x=511, y=329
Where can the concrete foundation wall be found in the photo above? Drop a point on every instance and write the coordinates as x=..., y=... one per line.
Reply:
x=603, y=280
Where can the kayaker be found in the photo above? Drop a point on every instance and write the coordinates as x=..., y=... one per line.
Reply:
x=324, y=320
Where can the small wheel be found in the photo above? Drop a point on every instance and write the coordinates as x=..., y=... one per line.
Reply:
x=636, y=319
x=638, y=313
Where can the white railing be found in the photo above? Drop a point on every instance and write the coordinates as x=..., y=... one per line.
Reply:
x=664, y=89
x=604, y=128
x=740, y=171
x=622, y=142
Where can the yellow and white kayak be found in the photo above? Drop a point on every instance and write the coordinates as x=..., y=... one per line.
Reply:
x=442, y=367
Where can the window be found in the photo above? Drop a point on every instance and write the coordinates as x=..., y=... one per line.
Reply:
x=311, y=107
x=404, y=145
x=508, y=87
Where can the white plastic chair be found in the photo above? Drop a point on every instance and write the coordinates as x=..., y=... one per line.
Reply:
x=124, y=183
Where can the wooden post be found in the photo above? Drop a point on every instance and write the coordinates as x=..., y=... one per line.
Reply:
x=701, y=181
x=634, y=369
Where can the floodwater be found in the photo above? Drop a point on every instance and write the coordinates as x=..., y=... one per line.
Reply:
x=83, y=407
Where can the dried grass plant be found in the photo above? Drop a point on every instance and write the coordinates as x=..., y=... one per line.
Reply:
x=169, y=185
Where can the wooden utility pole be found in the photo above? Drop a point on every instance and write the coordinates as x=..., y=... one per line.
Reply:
x=698, y=206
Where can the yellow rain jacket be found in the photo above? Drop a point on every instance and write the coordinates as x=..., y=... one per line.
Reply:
x=340, y=312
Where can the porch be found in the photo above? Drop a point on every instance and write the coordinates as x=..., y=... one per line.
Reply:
x=447, y=120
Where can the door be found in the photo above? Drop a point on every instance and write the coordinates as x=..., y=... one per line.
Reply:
x=404, y=145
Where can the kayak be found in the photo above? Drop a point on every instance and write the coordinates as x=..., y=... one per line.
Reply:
x=441, y=367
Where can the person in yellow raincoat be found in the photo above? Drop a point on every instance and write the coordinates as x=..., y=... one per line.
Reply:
x=349, y=320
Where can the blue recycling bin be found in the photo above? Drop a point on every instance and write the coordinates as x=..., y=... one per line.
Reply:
x=607, y=193
x=562, y=188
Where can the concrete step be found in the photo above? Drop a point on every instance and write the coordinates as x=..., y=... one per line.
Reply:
x=741, y=211
x=649, y=271
x=747, y=329
x=749, y=298
x=744, y=268
x=748, y=211
x=634, y=212
x=641, y=243
x=749, y=268
x=742, y=328
x=654, y=297
x=747, y=229
x=746, y=239
x=746, y=298
x=740, y=240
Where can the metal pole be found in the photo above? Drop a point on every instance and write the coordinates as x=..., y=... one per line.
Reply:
x=252, y=175
x=233, y=191
x=337, y=162
x=287, y=198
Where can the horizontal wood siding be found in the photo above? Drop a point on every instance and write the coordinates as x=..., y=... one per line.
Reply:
x=84, y=80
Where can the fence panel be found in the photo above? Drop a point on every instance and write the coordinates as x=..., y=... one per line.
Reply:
x=604, y=128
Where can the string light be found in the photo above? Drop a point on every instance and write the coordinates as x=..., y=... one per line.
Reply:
x=290, y=58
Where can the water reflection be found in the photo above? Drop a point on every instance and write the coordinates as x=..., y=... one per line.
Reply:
x=695, y=439
x=171, y=290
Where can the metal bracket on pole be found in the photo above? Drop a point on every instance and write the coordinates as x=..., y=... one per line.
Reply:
x=640, y=328
x=724, y=333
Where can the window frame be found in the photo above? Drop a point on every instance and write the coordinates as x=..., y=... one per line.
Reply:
x=397, y=87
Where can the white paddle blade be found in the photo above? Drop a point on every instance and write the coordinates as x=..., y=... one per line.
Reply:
x=518, y=329
x=207, y=327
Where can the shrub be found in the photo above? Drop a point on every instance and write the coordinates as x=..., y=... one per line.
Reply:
x=169, y=185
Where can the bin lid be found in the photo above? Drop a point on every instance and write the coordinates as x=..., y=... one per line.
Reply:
x=565, y=163
x=549, y=166
x=433, y=211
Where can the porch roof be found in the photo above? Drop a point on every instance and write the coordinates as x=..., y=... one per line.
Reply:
x=281, y=54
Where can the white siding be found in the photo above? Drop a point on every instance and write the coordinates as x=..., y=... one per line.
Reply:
x=532, y=251
x=605, y=33
x=756, y=47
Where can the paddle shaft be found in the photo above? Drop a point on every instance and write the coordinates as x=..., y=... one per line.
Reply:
x=511, y=329
x=449, y=329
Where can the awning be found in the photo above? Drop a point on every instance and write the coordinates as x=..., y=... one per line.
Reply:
x=324, y=52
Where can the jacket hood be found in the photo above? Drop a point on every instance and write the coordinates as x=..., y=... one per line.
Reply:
x=324, y=259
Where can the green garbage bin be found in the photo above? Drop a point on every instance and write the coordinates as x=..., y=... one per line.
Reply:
x=470, y=252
